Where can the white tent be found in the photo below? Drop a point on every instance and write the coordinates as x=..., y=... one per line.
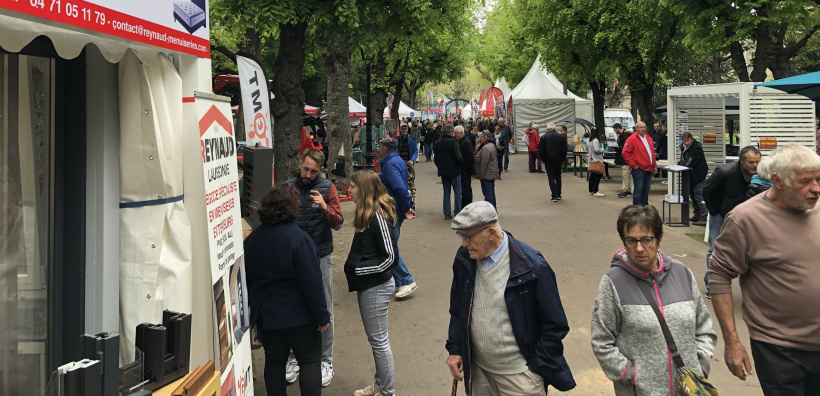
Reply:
x=583, y=107
x=404, y=111
x=504, y=87
x=467, y=111
x=357, y=111
x=537, y=99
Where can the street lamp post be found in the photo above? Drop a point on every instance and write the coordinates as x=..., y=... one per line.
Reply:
x=368, y=154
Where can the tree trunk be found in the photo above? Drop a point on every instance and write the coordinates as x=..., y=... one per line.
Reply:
x=717, y=76
x=412, y=91
x=598, y=98
x=288, y=105
x=739, y=61
x=642, y=101
x=397, y=98
x=763, y=50
x=337, y=66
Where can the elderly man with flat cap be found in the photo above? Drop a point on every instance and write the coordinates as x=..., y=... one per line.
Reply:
x=506, y=319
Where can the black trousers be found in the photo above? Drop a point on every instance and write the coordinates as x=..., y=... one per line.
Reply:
x=594, y=181
x=466, y=189
x=553, y=169
x=786, y=371
x=306, y=342
x=500, y=158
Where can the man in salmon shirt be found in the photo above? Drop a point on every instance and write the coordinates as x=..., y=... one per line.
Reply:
x=639, y=154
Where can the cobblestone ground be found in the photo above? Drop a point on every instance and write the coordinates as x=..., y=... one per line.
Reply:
x=578, y=238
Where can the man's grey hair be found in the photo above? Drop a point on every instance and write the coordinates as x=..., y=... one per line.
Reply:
x=551, y=126
x=786, y=161
x=458, y=129
x=486, y=135
x=536, y=127
x=448, y=129
x=389, y=144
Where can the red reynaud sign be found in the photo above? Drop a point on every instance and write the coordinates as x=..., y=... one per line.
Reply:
x=180, y=26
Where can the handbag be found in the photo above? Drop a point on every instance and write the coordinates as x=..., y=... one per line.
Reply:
x=597, y=167
x=687, y=380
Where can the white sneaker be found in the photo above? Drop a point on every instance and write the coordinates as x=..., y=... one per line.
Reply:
x=405, y=290
x=291, y=369
x=327, y=374
x=598, y=194
x=370, y=390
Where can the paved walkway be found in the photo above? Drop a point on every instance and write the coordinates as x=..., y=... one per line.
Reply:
x=578, y=238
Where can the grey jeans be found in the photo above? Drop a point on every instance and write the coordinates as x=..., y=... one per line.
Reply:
x=696, y=193
x=373, y=308
x=327, y=282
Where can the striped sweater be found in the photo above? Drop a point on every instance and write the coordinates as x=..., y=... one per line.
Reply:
x=373, y=253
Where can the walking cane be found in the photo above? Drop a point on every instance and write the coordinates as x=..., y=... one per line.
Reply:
x=455, y=387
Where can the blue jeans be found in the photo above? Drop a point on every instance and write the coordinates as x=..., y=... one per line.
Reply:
x=488, y=189
x=428, y=150
x=506, y=157
x=400, y=272
x=373, y=304
x=642, y=180
x=455, y=183
x=715, y=224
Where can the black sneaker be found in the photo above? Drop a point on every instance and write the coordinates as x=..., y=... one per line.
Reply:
x=559, y=197
x=624, y=194
x=554, y=199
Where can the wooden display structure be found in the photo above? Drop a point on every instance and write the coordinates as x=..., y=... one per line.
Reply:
x=204, y=381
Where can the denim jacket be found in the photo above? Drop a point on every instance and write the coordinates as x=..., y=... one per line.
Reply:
x=536, y=314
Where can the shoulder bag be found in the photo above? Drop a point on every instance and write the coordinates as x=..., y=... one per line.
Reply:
x=597, y=167
x=687, y=380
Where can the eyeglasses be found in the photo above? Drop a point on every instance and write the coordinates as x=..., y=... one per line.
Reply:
x=469, y=238
x=645, y=241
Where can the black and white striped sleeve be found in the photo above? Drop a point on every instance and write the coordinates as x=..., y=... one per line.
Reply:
x=388, y=254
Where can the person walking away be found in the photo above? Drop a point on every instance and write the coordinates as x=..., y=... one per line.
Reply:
x=693, y=158
x=625, y=334
x=532, y=147
x=626, y=183
x=501, y=144
x=285, y=292
x=723, y=191
x=394, y=176
x=639, y=155
x=373, y=252
x=596, y=154
x=770, y=242
x=472, y=134
x=506, y=131
x=552, y=150
x=319, y=213
x=449, y=162
x=507, y=322
x=486, y=166
x=467, y=167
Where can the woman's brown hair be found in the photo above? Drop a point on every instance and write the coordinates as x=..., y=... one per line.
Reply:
x=637, y=215
x=372, y=198
x=280, y=204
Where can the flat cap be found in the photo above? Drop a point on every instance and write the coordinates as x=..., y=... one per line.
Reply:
x=474, y=215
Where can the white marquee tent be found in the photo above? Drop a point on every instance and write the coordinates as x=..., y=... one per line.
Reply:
x=535, y=98
x=357, y=111
x=404, y=111
x=504, y=87
x=583, y=107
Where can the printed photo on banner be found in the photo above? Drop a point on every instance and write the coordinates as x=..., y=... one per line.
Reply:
x=223, y=326
x=239, y=300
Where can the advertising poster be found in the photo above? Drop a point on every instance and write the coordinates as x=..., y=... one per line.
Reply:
x=255, y=100
x=219, y=170
x=177, y=25
x=500, y=106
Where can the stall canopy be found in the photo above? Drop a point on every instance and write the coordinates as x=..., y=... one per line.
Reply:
x=404, y=111
x=504, y=87
x=535, y=98
x=467, y=111
x=312, y=111
x=807, y=85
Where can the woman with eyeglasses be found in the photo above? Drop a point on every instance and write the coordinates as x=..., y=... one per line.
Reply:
x=626, y=334
x=373, y=253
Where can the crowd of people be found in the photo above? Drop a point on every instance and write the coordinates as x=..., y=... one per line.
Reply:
x=650, y=324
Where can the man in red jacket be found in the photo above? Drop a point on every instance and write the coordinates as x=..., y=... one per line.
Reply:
x=639, y=154
x=534, y=139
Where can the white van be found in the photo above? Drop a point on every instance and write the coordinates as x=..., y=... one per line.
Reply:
x=621, y=116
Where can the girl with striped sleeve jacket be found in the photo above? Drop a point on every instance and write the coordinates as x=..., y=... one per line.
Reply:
x=373, y=253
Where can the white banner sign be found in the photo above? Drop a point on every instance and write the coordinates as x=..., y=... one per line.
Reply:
x=219, y=170
x=255, y=101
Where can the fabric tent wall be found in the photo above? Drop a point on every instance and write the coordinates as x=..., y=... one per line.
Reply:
x=541, y=111
x=584, y=109
x=155, y=240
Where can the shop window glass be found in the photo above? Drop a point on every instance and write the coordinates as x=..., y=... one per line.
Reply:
x=26, y=130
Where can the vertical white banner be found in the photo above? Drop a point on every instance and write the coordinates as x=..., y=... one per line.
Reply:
x=255, y=100
x=230, y=291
